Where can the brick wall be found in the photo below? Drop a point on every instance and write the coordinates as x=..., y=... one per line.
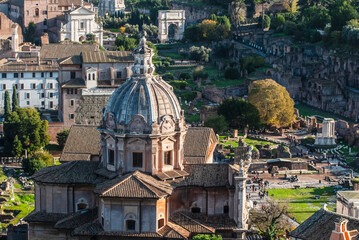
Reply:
x=55, y=128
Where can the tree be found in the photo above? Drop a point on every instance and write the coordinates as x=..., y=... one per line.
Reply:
x=270, y=220
x=278, y=21
x=15, y=102
x=316, y=17
x=45, y=157
x=266, y=23
x=207, y=237
x=126, y=43
x=341, y=12
x=240, y=113
x=7, y=109
x=25, y=123
x=238, y=13
x=62, y=137
x=29, y=32
x=291, y=5
x=218, y=123
x=32, y=165
x=273, y=102
x=17, y=147
x=199, y=53
x=90, y=37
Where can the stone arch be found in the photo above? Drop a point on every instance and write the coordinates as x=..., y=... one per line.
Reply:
x=171, y=25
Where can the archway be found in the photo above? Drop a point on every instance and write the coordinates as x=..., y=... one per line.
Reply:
x=172, y=31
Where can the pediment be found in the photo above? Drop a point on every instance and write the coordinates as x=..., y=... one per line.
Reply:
x=91, y=70
x=82, y=10
x=139, y=140
x=172, y=139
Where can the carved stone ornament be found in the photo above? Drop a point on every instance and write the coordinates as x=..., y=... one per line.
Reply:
x=110, y=121
x=167, y=124
x=138, y=124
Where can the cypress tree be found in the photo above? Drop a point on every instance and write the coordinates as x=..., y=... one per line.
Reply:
x=15, y=102
x=7, y=109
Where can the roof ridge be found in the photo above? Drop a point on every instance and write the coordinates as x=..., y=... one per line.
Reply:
x=170, y=224
x=121, y=182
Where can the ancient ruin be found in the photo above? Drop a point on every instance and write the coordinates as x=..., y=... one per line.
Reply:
x=327, y=137
x=171, y=25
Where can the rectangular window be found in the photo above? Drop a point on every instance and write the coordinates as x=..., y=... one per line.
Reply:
x=51, y=85
x=111, y=157
x=73, y=75
x=68, y=91
x=16, y=86
x=119, y=75
x=33, y=75
x=3, y=75
x=167, y=156
x=16, y=75
x=72, y=116
x=51, y=104
x=42, y=86
x=42, y=74
x=28, y=102
x=34, y=86
x=60, y=8
x=42, y=95
x=22, y=86
x=22, y=75
x=137, y=160
x=50, y=74
x=51, y=95
x=4, y=86
x=72, y=102
x=82, y=25
x=27, y=96
x=43, y=103
x=75, y=90
x=141, y=70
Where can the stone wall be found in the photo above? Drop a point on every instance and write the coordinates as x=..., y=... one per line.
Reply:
x=90, y=109
x=54, y=129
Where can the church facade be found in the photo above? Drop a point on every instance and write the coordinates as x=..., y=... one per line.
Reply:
x=142, y=187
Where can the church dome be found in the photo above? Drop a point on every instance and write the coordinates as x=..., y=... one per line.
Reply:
x=144, y=95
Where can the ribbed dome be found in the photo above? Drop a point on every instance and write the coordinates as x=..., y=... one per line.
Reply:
x=150, y=97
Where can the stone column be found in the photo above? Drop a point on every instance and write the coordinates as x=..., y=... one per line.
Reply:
x=241, y=216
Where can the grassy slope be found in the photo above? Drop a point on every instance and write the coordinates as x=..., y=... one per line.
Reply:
x=300, y=204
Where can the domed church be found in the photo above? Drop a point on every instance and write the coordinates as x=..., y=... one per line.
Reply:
x=154, y=178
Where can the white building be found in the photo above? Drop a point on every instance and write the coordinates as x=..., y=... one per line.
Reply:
x=78, y=24
x=327, y=137
x=36, y=83
x=113, y=7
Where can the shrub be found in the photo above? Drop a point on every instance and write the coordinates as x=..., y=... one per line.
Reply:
x=61, y=138
x=168, y=76
x=185, y=76
x=290, y=28
x=199, y=53
x=278, y=21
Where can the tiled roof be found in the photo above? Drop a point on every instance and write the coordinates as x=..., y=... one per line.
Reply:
x=189, y=224
x=74, y=83
x=75, y=59
x=134, y=185
x=197, y=144
x=44, y=217
x=204, y=175
x=64, y=50
x=107, y=56
x=82, y=141
x=69, y=173
x=321, y=224
x=172, y=230
x=77, y=219
x=217, y=222
x=70, y=2
x=68, y=157
x=106, y=173
x=171, y=174
x=23, y=67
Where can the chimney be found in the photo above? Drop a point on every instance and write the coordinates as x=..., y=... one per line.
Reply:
x=44, y=39
x=112, y=76
x=341, y=232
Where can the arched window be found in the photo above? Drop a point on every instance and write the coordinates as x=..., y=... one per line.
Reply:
x=161, y=223
x=130, y=225
x=93, y=77
x=36, y=12
x=89, y=76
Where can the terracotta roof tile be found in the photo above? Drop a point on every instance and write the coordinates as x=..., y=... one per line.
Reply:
x=82, y=140
x=74, y=83
x=321, y=224
x=77, y=219
x=134, y=185
x=189, y=224
x=44, y=217
x=197, y=144
x=204, y=175
x=64, y=50
x=69, y=173
x=23, y=67
x=107, y=56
